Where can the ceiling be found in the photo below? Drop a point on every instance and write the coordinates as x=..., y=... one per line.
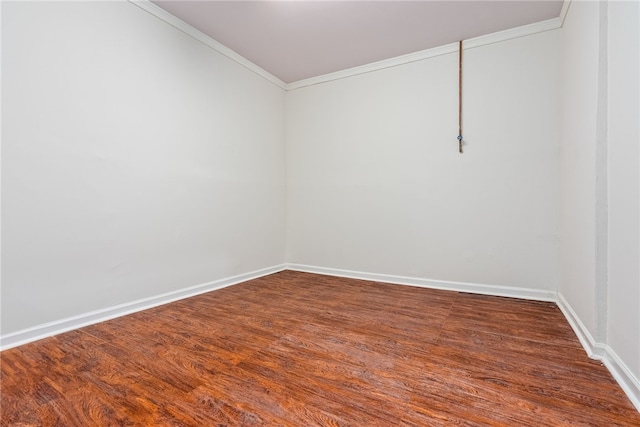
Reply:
x=296, y=40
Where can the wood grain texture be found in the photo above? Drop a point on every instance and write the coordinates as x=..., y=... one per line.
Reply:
x=298, y=349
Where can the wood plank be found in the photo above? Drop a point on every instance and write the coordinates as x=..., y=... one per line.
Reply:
x=298, y=349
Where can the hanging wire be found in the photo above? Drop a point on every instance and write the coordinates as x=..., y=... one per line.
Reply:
x=460, y=97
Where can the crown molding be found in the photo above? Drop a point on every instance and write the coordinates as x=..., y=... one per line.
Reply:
x=179, y=24
x=500, y=36
x=513, y=33
x=564, y=11
x=375, y=66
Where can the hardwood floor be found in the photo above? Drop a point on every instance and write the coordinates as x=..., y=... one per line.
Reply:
x=296, y=349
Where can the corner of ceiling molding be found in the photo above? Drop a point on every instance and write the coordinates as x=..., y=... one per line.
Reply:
x=500, y=36
x=564, y=11
x=188, y=29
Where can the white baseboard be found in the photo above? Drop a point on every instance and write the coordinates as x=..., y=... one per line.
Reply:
x=598, y=351
x=620, y=372
x=629, y=383
x=474, y=288
x=593, y=349
x=74, y=322
x=49, y=329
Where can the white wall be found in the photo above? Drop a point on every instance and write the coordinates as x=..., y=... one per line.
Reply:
x=600, y=225
x=135, y=161
x=138, y=161
x=578, y=192
x=376, y=184
x=624, y=177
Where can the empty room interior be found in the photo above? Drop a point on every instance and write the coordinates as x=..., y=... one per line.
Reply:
x=345, y=213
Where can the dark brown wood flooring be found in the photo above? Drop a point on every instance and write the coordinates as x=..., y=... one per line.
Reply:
x=296, y=349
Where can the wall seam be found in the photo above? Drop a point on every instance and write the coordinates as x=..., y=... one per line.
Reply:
x=601, y=185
